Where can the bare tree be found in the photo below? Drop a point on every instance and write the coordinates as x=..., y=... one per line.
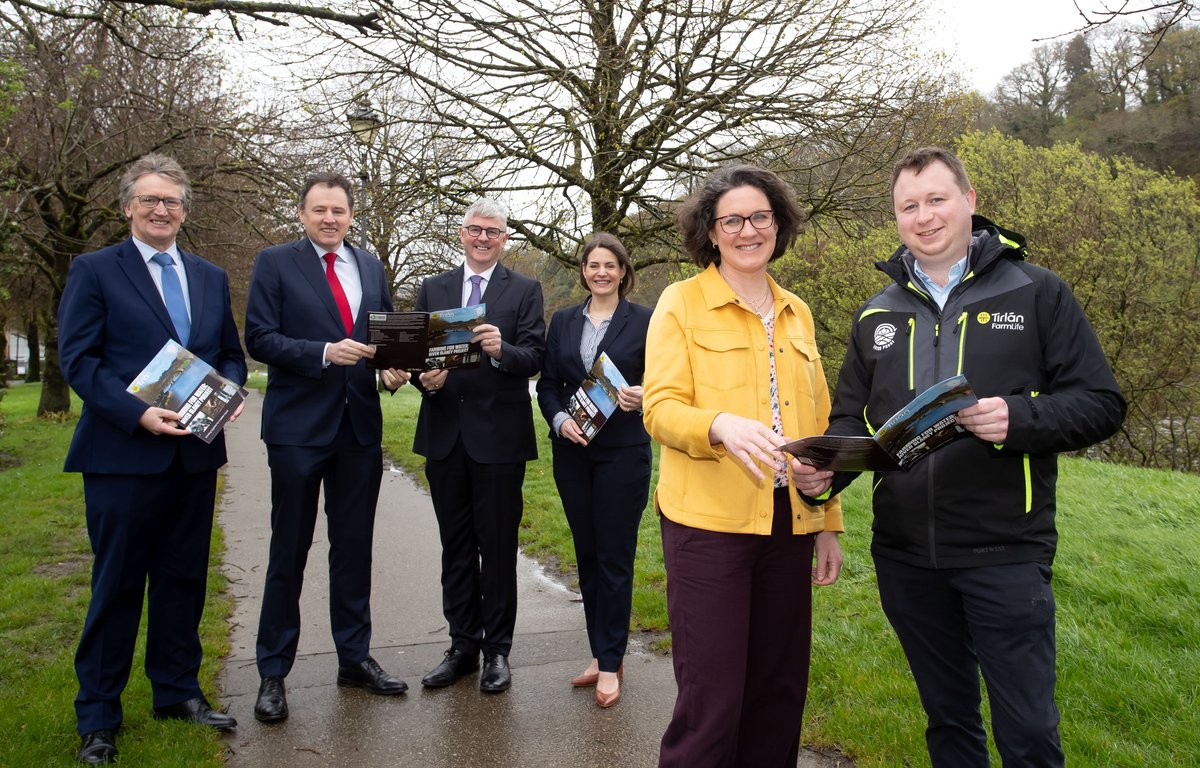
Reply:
x=597, y=114
x=1030, y=99
x=89, y=105
x=1157, y=16
x=104, y=12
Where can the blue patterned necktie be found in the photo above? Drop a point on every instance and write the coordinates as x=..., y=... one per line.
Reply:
x=173, y=296
x=476, y=292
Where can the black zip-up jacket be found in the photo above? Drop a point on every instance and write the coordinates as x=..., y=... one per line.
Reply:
x=1017, y=332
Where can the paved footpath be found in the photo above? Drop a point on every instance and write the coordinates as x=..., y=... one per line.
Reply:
x=540, y=721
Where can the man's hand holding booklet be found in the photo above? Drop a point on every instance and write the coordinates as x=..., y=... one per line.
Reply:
x=916, y=430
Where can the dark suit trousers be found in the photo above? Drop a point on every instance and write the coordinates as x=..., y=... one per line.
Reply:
x=143, y=528
x=478, y=508
x=954, y=623
x=351, y=474
x=603, y=492
x=740, y=607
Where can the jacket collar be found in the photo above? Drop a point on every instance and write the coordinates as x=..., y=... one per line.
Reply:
x=717, y=292
x=992, y=244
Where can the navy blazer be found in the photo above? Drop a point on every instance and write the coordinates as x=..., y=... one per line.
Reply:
x=488, y=406
x=562, y=370
x=290, y=316
x=111, y=322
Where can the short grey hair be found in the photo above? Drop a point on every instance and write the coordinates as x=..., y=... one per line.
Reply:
x=486, y=208
x=160, y=165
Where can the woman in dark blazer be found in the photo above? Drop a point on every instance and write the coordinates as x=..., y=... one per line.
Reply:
x=603, y=482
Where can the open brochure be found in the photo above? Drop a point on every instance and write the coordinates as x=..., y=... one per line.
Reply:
x=596, y=398
x=179, y=381
x=916, y=430
x=422, y=341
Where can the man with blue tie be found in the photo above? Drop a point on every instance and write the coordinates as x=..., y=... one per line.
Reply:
x=475, y=430
x=149, y=486
x=306, y=318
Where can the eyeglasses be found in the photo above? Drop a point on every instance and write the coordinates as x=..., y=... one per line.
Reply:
x=474, y=230
x=731, y=225
x=152, y=201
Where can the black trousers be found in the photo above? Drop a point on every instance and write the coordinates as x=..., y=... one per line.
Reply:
x=350, y=474
x=603, y=493
x=958, y=622
x=478, y=508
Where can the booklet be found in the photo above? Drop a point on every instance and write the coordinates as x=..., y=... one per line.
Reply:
x=916, y=430
x=596, y=398
x=422, y=341
x=179, y=381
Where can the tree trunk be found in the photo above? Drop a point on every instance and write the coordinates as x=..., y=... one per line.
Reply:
x=56, y=395
x=33, y=366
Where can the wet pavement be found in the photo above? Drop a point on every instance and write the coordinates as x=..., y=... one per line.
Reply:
x=540, y=721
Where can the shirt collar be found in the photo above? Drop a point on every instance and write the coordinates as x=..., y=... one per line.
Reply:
x=147, y=251
x=485, y=274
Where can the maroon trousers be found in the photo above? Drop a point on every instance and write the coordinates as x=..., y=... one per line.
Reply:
x=740, y=608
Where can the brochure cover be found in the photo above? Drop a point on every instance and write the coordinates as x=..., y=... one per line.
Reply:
x=916, y=430
x=422, y=341
x=596, y=398
x=179, y=381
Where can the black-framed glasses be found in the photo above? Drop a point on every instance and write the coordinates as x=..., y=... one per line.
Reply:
x=474, y=230
x=152, y=201
x=731, y=225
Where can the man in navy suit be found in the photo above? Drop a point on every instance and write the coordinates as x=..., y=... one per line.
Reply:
x=306, y=318
x=475, y=430
x=149, y=486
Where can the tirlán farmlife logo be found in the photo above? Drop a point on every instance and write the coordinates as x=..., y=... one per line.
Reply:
x=1002, y=321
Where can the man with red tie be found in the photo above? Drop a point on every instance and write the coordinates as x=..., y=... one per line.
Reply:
x=306, y=318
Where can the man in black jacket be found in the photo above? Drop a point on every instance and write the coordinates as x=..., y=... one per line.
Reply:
x=964, y=541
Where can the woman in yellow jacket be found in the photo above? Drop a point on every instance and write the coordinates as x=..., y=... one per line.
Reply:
x=732, y=373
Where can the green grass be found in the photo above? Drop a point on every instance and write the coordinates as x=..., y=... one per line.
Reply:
x=1128, y=615
x=45, y=567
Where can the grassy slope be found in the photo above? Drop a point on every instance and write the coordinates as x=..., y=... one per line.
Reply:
x=45, y=567
x=1128, y=615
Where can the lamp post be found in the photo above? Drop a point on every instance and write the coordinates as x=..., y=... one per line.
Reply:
x=364, y=124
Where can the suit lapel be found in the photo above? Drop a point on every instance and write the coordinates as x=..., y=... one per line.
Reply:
x=619, y=317
x=135, y=269
x=571, y=340
x=496, y=286
x=196, y=286
x=364, y=283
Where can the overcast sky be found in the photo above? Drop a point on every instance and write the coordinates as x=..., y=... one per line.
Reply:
x=989, y=37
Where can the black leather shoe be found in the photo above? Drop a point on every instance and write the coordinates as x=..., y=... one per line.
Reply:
x=456, y=665
x=271, y=704
x=98, y=748
x=197, y=710
x=368, y=674
x=496, y=676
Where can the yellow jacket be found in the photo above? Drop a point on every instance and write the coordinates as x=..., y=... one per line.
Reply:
x=706, y=353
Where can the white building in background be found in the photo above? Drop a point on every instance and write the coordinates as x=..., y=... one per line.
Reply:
x=18, y=351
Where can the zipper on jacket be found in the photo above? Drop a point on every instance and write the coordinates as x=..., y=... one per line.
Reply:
x=960, y=328
x=912, y=336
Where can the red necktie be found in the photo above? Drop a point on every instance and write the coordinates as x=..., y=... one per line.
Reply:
x=339, y=295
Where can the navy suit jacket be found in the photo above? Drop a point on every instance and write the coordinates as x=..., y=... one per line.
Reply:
x=488, y=406
x=111, y=322
x=290, y=316
x=562, y=370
